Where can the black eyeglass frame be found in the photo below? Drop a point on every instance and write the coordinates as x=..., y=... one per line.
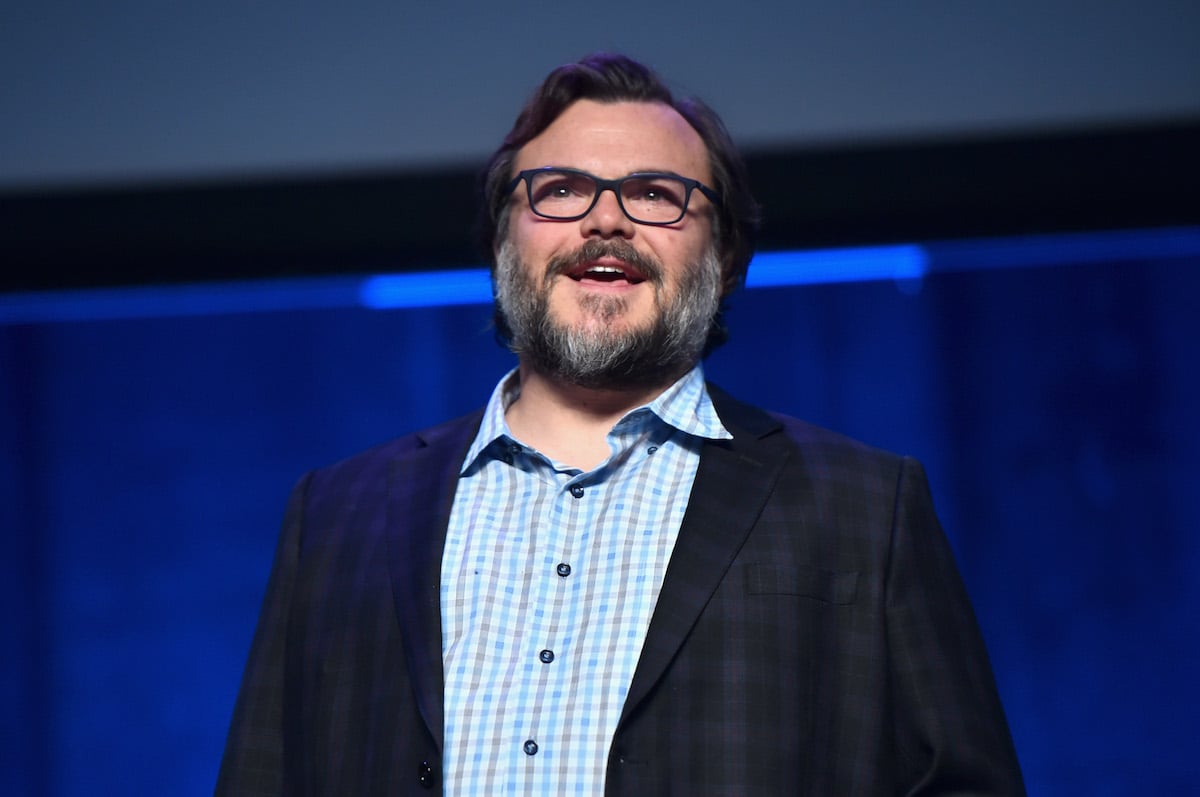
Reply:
x=603, y=185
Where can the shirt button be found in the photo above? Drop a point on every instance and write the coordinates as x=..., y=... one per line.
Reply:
x=576, y=491
x=651, y=449
x=546, y=656
x=563, y=569
x=530, y=747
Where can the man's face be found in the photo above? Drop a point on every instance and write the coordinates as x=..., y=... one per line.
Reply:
x=603, y=301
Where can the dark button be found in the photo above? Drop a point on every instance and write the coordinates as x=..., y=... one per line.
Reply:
x=651, y=449
x=530, y=747
x=563, y=569
x=576, y=491
x=425, y=775
x=546, y=656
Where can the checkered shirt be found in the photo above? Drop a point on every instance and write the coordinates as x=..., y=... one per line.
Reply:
x=549, y=579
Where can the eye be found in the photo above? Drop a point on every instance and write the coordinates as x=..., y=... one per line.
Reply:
x=561, y=187
x=655, y=191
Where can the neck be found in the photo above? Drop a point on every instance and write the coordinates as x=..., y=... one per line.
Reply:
x=570, y=423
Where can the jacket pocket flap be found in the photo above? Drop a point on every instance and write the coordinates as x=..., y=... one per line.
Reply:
x=823, y=585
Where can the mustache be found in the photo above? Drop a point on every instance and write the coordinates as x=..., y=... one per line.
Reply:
x=595, y=249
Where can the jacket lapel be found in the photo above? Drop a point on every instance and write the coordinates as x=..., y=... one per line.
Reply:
x=733, y=481
x=420, y=496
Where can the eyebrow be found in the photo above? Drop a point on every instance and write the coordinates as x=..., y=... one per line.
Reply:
x=666, y=172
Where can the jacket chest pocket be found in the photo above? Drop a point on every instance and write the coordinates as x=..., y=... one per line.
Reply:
x=827, y=586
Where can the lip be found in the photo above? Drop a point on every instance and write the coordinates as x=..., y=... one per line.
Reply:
x=606, y=271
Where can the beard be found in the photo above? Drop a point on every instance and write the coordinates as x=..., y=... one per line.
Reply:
x=598, y=352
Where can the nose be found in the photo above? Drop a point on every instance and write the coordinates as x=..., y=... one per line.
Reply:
x=606, y=219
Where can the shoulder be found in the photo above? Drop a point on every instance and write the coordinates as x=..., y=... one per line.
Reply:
x=837, y=475
x=812, y=444
x=841, y=498
x=371, y=467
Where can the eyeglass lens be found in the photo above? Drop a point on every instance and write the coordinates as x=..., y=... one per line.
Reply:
x=656, y=199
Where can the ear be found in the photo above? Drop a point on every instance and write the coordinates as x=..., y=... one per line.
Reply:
x=729, y=278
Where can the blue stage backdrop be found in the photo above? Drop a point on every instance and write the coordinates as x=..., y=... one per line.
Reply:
x=146, y=459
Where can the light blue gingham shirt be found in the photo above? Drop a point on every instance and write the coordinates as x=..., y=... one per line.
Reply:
x=549, y=578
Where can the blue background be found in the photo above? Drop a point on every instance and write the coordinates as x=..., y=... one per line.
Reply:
x=146, y=462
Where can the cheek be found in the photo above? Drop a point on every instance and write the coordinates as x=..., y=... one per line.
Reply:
x=535, y=243
x=686, y=259
x=690, y=243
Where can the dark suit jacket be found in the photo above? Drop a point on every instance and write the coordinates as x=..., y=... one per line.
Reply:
x=812, y=635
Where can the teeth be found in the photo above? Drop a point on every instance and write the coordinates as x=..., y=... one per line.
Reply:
x=605, y=270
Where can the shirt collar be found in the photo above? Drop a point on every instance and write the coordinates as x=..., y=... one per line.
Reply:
x=687, y=406
x=684, y=405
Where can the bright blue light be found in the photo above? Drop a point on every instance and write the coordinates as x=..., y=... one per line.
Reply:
x=904, y=263
x=768, y=269
x=775, y=269
x=426, y=289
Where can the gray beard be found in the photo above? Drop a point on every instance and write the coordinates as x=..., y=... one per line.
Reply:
x=602, y=356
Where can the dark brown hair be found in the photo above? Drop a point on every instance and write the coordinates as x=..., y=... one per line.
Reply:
x=605, y=77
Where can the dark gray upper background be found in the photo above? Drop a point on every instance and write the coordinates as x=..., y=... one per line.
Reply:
x=136, y=91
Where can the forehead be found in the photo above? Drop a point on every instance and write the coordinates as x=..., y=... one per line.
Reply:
x=612, y=139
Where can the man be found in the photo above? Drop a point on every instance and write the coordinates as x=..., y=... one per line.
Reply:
x=615, y=579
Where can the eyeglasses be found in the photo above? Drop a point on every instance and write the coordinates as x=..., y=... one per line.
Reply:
x=651, y=198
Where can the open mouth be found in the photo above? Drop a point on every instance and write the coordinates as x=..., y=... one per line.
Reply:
x=606, y=273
